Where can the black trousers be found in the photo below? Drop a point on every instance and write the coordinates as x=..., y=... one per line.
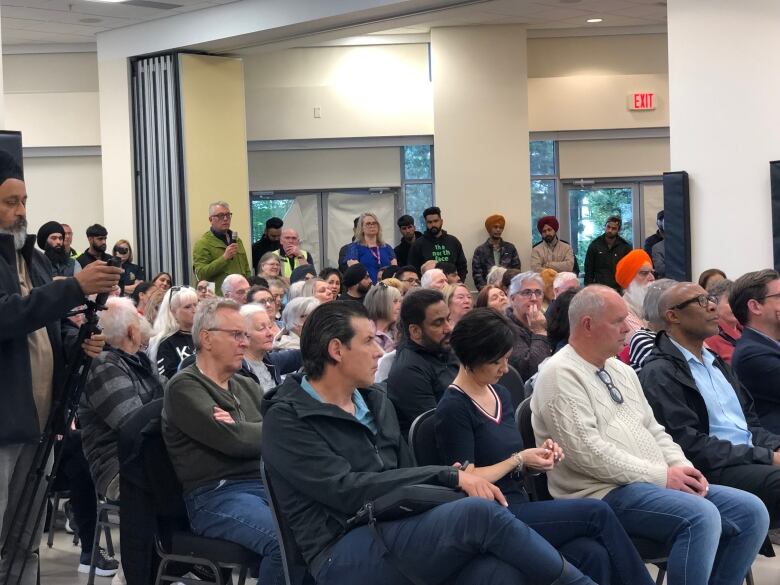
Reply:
x=74, y=474
x=760, y=480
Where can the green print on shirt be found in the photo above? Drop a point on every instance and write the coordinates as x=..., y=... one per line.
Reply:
x=441, y=253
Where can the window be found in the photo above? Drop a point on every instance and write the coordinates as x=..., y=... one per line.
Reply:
x=262, y=209
x=417, y=167
x=544, y=168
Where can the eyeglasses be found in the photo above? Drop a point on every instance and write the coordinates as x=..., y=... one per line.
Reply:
x=770, y=296
x=222, y=216
x=644, y=273
x=121, y=250
x=703, y=301
x=530, y=292
x=174, y=290
x=614, y=392
x=237, y=334
x=411, y=280
x=266, y=302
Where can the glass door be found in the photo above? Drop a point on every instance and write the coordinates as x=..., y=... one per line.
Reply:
x=589, y=208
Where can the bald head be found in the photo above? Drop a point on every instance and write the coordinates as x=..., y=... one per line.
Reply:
x=689, y=313
x=597, y=318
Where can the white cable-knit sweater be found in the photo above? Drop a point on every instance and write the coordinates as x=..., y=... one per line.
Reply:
x=606, y=444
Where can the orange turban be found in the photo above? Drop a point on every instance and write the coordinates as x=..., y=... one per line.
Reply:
x=494, y=219
x=626, y=270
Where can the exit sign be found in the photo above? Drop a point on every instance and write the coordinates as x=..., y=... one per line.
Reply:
x=641, y=101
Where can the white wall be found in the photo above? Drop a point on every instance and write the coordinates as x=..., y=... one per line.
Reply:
x=337, y=168
x=629, y=157
x=66, y=189
x=724, y=123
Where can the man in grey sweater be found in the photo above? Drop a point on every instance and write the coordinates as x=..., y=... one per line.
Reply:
x=212, y=428
x=593, y=406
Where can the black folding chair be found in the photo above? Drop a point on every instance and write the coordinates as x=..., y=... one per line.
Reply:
x=422, y=440
x=295, y=570
x=513, y=382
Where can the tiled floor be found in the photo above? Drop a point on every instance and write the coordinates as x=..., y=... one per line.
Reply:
x=59, y=563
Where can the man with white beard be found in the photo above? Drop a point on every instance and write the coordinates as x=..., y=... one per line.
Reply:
x=634, y=273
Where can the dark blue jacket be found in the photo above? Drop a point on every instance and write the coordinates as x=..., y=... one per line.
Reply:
x=43, y=307
x=756, y=361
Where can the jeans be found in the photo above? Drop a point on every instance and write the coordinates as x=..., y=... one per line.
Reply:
x=588, y=534
x=237, y=510
x=714, y=539
x=467, y=542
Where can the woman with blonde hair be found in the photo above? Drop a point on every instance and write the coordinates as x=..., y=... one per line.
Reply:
x=369, y=248
x=133, y=274
x=458, y=299
x=172, y=342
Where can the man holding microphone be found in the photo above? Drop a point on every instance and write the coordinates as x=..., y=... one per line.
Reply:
x=219, y=251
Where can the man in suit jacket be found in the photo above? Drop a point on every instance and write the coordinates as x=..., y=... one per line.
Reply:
x=755, y=302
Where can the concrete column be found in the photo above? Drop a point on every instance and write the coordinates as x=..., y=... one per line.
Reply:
x=724, y=120
x=480, y=117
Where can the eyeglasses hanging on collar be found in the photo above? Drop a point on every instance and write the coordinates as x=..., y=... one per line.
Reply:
x=614, y=392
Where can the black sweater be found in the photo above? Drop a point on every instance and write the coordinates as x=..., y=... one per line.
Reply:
x=445, y=248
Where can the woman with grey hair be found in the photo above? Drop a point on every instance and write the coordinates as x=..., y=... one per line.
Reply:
x=264, y=366
x=293, y=317
x=643, y=341
x=319, y=289
x=526, y=291
x=383, y=304
x=120, y=381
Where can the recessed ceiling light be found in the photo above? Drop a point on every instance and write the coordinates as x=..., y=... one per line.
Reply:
x=594, y=20
x=111, y=1
x=90, y=20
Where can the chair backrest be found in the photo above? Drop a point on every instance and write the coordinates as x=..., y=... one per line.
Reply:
x=422, y=439
x=535, y=485
x=513, y=382
x=295, y=571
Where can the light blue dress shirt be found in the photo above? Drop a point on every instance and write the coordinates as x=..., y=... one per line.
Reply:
x=727, y=421
x=363, y=415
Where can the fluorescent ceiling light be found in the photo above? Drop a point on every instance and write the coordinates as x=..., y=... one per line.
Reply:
x=590, y=20
x=109, y=1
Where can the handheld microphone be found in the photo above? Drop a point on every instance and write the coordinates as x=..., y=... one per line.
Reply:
x=233, y=237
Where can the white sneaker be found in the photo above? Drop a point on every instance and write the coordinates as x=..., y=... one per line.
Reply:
x=119, y=578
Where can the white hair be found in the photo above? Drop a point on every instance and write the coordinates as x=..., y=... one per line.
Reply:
x=295, y=290
x=495, y=276
x=231, y=281
x=247, y=311
x=427, y=277
x=165, y=324
x=119, y=316
x=562, y=277
x=517, y=282
x=296, y=309
x=216, y=204
x=590, y=301
x=309, y=286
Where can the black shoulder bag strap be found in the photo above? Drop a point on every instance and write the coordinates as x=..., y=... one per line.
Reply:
x=392, y=557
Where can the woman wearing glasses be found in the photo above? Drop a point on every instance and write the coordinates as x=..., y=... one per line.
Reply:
x=172, y=343
x=531, y=345
x=369, y=248
x=475, y=423
x=133, y=274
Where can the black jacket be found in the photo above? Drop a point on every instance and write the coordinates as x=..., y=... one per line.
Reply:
x=756, y=361
x=402, y=249
x=418, y=379
x=601, y=260
x=483, y=260
x=678, y=405
x=325, y=464
x=44, y=307
x=445, y=248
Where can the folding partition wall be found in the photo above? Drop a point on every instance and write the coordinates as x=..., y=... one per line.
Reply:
x=160, y=208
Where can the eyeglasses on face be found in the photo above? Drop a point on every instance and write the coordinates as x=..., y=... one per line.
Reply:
x=703, y=301
x=614, y=392
x=121, y=250
x=531, y=292
x=411, y=280
x=237, y=334
x=765, y=297
x=222, y=216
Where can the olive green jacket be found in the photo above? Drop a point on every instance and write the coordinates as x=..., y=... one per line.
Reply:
x=209, y=263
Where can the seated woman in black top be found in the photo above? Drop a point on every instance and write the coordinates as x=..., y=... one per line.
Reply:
x=474, y=422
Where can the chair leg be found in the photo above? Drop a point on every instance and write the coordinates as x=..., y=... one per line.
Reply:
x=95, y=547
x=244, y=569
x=109, y=540
x=54, y=506
x=659, y=580
x=749, y=578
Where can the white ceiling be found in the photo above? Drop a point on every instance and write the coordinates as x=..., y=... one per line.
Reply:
x=34, y=22
x=47, y=22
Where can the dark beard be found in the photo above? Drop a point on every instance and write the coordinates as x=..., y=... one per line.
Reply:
x=434, y=231
x=56, y=254
x=548, y=239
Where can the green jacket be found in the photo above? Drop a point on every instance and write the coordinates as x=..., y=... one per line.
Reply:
x=209, y=263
